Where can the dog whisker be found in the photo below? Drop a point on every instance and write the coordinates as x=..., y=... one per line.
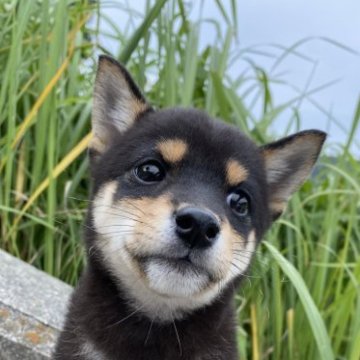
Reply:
x=177, y=337
x=125, y=318
x=148, y=333
x=243, y=272
x=125, y=217
x=118, y=207
x=118, y=212
x=129, y=202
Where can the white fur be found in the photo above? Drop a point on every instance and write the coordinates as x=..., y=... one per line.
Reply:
x=166, y=280
x=89, y=351
x=276, y=167
x=160, y=290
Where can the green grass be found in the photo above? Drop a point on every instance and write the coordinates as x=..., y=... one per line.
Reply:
x=302, y=299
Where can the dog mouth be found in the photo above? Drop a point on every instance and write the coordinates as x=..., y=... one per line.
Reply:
x=183, y=264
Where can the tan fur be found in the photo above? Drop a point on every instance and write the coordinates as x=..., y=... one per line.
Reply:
x=96, y=144
x=130, y=229
x=173, y=150
x=277, y=207
x=241, y=253
x=225, y=254
x=150, y=212
x=235, y=173
x=235, y=244
x=236, y=240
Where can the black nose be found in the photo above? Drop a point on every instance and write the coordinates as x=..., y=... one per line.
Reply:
x=196, y=228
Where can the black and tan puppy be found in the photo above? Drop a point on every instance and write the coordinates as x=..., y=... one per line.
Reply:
x=179, y=204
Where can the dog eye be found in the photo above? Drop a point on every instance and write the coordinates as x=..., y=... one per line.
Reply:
x=150, y=171
x=239, y=202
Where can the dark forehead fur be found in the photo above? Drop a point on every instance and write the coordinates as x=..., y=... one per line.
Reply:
x=210, y=141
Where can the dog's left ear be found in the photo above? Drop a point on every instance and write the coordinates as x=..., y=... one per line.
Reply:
x=288, y=162
x=117, y=104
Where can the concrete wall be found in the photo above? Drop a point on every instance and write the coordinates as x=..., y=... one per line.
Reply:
x=32, y=309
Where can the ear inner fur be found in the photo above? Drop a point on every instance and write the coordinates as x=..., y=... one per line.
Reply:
x=288, y=162
x=117, y=103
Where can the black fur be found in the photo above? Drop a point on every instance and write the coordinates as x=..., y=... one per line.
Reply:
x=98, y=309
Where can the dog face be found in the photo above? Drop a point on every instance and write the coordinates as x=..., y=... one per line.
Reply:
x=181, y=200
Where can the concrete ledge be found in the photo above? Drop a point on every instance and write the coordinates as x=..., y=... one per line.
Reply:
x=32, y=309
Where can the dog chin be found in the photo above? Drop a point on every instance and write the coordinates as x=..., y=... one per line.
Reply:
x=176, y=278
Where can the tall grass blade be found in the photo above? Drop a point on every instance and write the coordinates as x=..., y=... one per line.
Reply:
x=141, y=31
x=313, y=315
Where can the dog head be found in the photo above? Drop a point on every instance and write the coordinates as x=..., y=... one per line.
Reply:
x=181, y=200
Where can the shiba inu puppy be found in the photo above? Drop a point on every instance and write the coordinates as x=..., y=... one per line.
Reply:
x=180, y=202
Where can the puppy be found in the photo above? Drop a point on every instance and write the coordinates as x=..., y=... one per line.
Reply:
x=180, y=202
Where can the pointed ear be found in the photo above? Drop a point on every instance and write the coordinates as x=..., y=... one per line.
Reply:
x=288, y=162
x=117, y=104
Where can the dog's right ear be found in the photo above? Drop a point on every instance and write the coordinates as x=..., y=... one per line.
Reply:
x=117, y=103
x=288, y=162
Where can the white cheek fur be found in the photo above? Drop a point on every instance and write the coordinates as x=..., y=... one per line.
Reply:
x=163, y=293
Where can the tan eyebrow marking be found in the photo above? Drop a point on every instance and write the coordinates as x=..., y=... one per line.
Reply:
x=172, y=150
x=235, y=172
x=277, y=207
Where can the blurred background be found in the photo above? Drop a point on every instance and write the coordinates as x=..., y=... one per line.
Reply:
x=305, y=48
x=271, y=68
